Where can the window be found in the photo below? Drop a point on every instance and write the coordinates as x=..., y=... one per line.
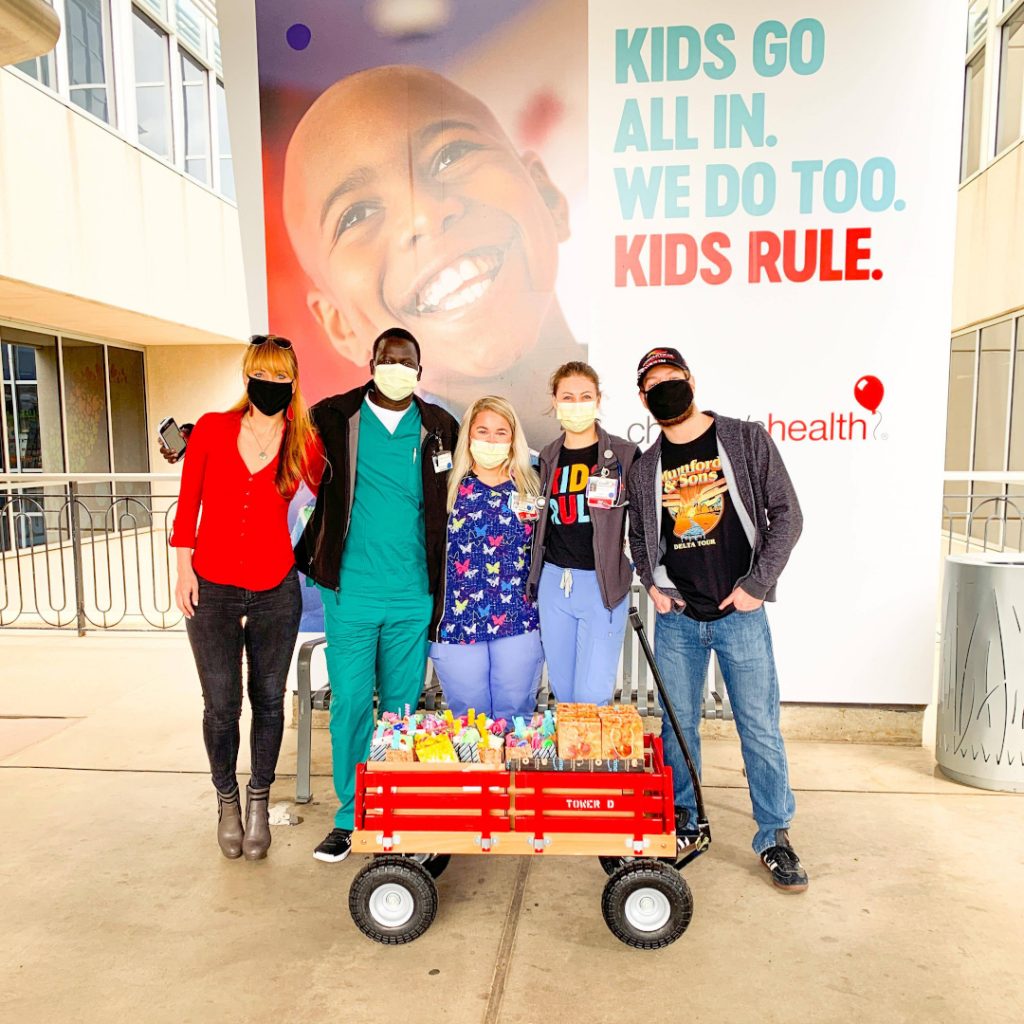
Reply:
x=87, y=31
x=173, y=71
x=960, y=403
x=85, y=399
x=191, y=25
x=974, y=90
x=39, y=68
x=977, y=22
x=31, y=398
x=197, y=118
x=993, y=396
x=1011, y=81
x=152, y=85
x=227, y=172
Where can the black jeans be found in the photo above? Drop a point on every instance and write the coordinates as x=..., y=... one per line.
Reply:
x=218, y=636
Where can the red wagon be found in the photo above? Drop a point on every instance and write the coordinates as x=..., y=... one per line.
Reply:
x=413, y=817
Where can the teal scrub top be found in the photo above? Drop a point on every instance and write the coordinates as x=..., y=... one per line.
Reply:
x=385, y=550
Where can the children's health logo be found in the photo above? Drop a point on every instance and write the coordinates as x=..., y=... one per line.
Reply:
x=839, y=426
x=831, y=426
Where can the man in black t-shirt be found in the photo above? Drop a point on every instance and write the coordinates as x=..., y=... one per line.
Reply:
x=713, y=519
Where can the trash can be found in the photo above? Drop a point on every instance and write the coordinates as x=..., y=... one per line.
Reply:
x=980, y=729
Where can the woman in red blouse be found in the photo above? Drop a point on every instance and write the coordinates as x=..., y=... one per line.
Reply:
x=237, y=583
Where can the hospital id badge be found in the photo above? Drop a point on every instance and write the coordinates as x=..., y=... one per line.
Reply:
x=525, y=506
x=442, y=462
x=602, y=491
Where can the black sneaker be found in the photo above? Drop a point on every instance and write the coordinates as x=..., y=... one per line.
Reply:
x=783, y=864
x=686, y=835
x=336, y=847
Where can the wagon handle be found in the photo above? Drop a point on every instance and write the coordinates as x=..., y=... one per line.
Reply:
x=638, y=625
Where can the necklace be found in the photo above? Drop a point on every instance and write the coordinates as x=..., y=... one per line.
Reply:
x=263, y=448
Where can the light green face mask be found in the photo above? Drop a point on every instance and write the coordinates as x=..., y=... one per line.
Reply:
x=394, y=381
x=576, y=417
x=487, y=454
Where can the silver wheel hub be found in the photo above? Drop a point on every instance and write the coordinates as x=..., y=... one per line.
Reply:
x=391, y=905
x=647, y=910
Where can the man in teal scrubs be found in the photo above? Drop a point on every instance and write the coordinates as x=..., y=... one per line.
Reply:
x=375, y=547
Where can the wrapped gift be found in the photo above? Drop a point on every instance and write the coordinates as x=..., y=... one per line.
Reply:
x=579, y=731
x=518, y=748
x=622, y=732
x=437, y=747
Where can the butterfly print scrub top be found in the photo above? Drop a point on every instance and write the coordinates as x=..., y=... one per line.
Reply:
x=487, y=564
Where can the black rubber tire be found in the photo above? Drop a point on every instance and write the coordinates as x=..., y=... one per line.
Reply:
x=612, y=864
x=406, y=873
x=435, y=863
x=647, y=873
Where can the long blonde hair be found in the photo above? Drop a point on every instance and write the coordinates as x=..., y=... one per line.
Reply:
x=518, y=462
x=298, y=427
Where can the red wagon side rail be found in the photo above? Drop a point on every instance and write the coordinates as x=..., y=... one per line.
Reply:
x=475, y=808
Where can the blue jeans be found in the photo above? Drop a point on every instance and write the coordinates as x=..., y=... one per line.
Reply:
x=582, y=639
x=743, y=643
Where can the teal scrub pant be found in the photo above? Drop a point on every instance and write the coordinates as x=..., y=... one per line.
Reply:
x=373, y=643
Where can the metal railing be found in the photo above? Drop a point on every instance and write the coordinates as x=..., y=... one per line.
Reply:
x=983, y=511
x=87, y=550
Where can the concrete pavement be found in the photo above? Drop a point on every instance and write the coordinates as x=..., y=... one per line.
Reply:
x=118, y=905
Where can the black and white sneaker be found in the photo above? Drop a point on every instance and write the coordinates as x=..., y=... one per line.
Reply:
x=686, y=834
x=335, y=847
x=782, y=863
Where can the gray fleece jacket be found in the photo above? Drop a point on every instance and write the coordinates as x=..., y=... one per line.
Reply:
x=767, y=507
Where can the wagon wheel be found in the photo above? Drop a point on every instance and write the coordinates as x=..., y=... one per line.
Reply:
x=435, y=863
x=393, y=900
x=612, y=864
x=647, y=904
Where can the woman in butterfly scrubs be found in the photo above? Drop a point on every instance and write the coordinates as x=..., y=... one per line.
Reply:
x=581, y=576
x=486, y=648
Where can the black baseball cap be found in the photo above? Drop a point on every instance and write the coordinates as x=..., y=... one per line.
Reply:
x=659, y=357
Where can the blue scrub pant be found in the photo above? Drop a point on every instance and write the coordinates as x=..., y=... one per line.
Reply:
x=498, y=677
x=582, y=639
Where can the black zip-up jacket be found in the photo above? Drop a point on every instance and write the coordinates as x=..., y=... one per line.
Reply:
x=318, y=552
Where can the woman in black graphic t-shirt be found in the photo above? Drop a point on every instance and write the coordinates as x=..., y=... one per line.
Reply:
x=581, y=576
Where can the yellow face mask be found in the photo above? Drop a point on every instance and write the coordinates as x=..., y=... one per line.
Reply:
x=394, y=381
x=489, y=455
x=576, y=417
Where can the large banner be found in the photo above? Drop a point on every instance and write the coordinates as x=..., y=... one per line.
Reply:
x=770, y=189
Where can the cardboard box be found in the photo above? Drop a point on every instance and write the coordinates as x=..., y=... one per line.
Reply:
x=622, y=733
x=579, y=731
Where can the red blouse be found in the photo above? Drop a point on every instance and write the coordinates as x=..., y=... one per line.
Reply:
x=243, y=537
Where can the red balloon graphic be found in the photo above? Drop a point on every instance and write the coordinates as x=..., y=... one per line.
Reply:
x=869, y=392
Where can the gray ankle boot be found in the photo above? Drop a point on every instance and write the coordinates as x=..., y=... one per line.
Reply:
x=257, y=824
x=229, y=824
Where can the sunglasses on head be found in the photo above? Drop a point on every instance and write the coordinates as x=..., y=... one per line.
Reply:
x=262, y=339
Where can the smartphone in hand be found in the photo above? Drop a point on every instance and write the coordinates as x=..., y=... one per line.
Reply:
x=172, y=440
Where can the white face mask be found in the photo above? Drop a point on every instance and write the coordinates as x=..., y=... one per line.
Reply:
x=489, y=455
x=576, y=417
x=395, y=381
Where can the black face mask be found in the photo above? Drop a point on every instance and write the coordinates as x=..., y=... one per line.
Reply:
x=668, y=400
x=269, y=396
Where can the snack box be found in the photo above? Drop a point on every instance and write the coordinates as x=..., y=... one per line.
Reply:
x=622, y=732
x=579, y=731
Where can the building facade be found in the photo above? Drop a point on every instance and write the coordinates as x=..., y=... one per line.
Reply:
x=120, y=259
x=985, y=424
